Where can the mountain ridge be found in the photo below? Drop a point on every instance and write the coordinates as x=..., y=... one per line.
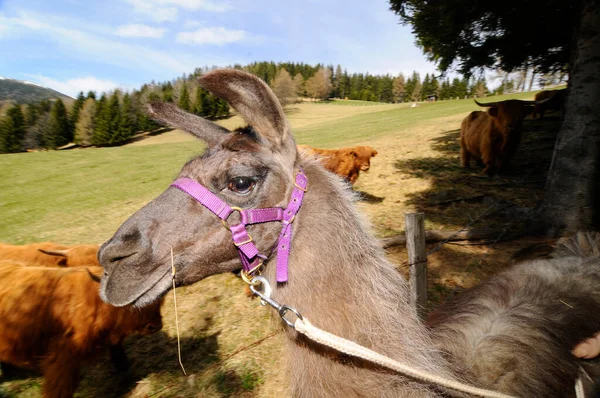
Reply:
x=24, y=92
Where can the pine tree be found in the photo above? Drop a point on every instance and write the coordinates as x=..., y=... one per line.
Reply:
x=200, y=103
x=445, y=90
x=126, y=122
x=84, y=128
x=12, y=132
x=222, y=108
x=32, y=118
x=184, y=99
x=113, y=115
x=31, y=115
x=167, y=92
x=60, y=133
x=435, y=86
x=426, y=87
x=209, y=107
x=74, y=116
x=102, y=123
x=6, y=134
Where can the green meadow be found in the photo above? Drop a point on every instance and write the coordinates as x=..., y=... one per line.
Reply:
x=82, y=196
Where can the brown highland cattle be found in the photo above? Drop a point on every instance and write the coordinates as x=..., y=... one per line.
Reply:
x=491, y=138
x=345, y=162
x=53, y=319
x=50, y=254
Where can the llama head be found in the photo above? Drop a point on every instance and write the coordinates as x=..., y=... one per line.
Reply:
x=248, y=168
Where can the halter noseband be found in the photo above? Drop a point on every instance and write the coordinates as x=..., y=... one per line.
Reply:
x=250, y=257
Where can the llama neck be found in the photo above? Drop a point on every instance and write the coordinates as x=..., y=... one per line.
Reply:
x=341, y=281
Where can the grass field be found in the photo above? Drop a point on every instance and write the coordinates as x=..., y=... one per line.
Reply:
x=83, y=195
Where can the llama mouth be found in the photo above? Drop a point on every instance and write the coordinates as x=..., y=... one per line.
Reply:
x=151, y=287
x=155, y=291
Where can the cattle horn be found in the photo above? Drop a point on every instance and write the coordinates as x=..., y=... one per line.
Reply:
x=95, y=278
x=61, y=253
x=547, y=99
x=488, y=104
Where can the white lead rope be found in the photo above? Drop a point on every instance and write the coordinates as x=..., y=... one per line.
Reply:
x=348, y=347
x=303, y=326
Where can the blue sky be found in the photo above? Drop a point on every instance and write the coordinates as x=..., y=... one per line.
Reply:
x=74, y=45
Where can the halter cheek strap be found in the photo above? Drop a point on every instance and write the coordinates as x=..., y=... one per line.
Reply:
x=250, y=257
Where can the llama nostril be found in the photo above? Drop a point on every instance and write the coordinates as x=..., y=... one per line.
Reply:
x=119, y=258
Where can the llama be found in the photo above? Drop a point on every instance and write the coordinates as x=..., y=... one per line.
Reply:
x=339, y=277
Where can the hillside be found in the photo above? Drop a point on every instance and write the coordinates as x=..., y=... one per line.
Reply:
x=23, y=92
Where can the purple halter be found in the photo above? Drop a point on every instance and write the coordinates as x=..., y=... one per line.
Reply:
x=250, y=257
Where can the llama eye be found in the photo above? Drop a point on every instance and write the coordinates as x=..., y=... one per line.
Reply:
x=242, y=185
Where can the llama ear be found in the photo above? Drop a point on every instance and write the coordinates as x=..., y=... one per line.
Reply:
x=251, y=98
x=204, y=129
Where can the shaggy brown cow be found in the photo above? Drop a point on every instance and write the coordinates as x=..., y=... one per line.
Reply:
x=492, y=137
x=556, y=100
x=345, y=162
x=50, y=254
x=53, y=319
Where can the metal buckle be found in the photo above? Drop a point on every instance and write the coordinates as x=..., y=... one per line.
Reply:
x=248, y=277
x=244, y=242
x=224, y=221
x=299, y=187
x=264, y=292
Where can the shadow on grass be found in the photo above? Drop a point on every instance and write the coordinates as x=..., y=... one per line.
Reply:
x=368, y=198
x=155, y=354
x=458, y=195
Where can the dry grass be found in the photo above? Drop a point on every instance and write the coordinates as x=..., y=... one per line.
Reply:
x=416, y=170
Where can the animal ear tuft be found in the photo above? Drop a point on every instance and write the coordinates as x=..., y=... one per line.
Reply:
x=252, y=99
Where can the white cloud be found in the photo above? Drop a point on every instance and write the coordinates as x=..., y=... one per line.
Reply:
x=72, y=87
x=218, y=36
x=166, y=10
x=189, y=24
x=154, y=11
x=138, y=30
x=85, y=42
x=215, y=6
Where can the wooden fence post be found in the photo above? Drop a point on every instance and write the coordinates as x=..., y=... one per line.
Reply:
x=417, y=258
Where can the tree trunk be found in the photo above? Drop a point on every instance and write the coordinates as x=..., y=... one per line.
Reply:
x=572, y=198
x=531, y=80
